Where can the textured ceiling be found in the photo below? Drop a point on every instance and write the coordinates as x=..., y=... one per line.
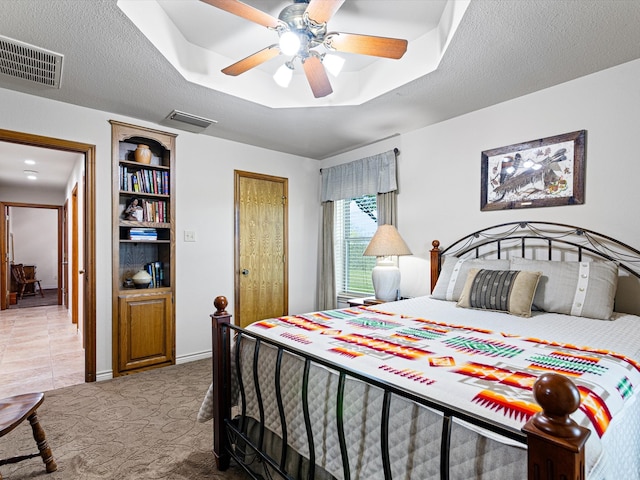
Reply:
x=502, y=49
x=53, y=167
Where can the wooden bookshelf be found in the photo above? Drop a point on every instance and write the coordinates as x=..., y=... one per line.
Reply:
x=143, y=239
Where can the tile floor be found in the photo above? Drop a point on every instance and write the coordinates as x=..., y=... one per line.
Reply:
x=40, y=350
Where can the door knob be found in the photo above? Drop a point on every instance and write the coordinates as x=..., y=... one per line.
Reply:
x=245, y=272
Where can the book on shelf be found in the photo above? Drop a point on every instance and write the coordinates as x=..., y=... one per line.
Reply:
x=156, y=270
x=143, y=234
x=156, y=211
x=144, y=180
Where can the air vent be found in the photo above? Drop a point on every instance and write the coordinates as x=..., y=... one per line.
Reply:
x=190, y=119
x=26, y=62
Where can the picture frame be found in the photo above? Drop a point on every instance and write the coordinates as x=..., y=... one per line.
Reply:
x=547, y=172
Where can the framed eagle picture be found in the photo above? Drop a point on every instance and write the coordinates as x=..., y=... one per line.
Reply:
x=539, y=173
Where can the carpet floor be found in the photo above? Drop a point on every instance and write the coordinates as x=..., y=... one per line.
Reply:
x=141, y=426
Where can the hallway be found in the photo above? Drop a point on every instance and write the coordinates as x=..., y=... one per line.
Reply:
x=40, y=350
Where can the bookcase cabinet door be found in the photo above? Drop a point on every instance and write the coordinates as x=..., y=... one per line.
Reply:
x=145, y=332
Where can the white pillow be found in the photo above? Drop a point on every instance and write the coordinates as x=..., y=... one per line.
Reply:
x=453, y=275
x=581, y=289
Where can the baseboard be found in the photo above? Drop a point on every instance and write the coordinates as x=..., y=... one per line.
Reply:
x=192, y=357
x=101, y=376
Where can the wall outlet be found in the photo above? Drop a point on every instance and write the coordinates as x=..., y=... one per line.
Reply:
x=189, y=236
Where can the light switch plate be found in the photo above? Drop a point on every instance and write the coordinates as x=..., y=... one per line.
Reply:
x=189, y=236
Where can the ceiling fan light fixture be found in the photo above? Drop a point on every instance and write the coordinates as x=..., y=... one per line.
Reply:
x=284, y=74
x=333, y=63
x=301, y=27
x=289, y=43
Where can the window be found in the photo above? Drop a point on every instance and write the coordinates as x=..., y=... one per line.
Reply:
x=356, y=221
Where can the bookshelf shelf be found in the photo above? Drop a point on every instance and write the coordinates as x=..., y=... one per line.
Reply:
x=136, y=165
x=134, y=223
x=143, y=239
x=142, y=194
x=125, y=240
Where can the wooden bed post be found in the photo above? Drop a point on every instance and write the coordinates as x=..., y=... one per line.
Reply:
x=555, y=442
x=221, y=381
x=435, y=263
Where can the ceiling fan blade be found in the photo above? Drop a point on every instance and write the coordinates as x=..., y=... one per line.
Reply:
x=317, y=77
x=320, y=11
x=366, y=44
x=245, y=11
x=252, y=61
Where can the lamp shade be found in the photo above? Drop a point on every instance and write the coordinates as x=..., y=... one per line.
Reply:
x=386, y=242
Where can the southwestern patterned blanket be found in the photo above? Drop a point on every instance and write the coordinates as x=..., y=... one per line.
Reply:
x=485, y=371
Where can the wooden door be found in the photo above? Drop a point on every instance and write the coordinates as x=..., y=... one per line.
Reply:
x=5, y=261
x=261, y=278
x=64, y=277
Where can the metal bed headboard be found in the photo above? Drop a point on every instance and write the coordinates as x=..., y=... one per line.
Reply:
x=556, y=236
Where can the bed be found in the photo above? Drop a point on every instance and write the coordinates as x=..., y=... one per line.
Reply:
x=536, y=381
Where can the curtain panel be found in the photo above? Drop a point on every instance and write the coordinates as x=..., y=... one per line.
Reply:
x=387, y=205
x=367, y=176
x=326, y=287
x=375, y=175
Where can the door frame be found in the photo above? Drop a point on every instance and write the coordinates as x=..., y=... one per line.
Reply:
x=238, y=174
x=89, y=152
x=75, y=272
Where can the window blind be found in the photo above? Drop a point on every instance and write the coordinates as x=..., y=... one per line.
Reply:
x=355, y=223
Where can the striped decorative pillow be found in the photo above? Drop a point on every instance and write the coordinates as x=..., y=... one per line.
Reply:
x=509, y=291
x=454, y=274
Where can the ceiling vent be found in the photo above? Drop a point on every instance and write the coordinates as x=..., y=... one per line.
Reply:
x=26, y=62
x=189, y=122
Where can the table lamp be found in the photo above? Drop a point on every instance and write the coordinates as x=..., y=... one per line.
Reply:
x=385, y=243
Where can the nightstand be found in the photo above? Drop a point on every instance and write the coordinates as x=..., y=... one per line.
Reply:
x=360, y=302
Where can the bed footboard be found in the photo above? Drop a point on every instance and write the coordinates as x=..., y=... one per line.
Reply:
x=221, y=382
x=556, y=444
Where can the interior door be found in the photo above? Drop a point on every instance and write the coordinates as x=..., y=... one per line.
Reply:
x=5, y=269
x=65, y=255
x=261, y=279
x=74, y=256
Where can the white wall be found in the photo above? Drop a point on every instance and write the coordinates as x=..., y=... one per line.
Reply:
x=439, y=181
x=35, y=195
x=439, y=166
x=35, y=241
x=204, y=202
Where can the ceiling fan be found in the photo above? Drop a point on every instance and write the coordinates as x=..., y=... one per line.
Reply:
x=301, y=27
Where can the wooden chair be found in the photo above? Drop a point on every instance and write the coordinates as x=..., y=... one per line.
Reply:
x=17, y=270
x=13, y=411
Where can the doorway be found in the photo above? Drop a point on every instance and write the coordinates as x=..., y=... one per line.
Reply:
x=33, y=233
x=88, y=316
x=261, y=272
